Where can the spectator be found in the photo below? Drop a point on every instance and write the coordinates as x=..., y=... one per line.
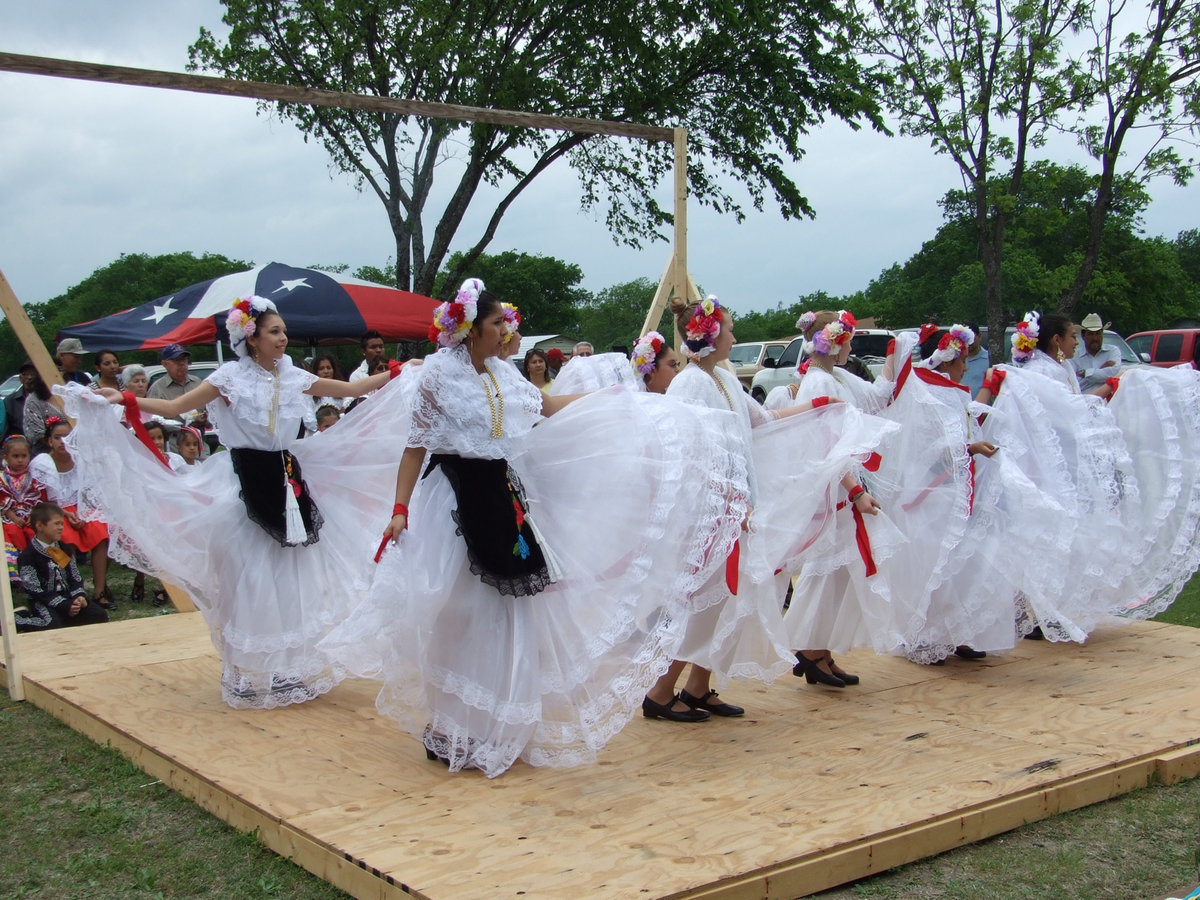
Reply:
x=108, y=368
x=51, y=580
x=56, y=470
x=70, y=354
x=188, y=442
x=38, y=408
x=372, y=350
x=554, y=356
x=14, y=403
x=583, y=348
x=327, y=416
x=978, y=362
x=19, y=492
x=537, y=369
x=136, y=380
x=1097, y=362
x=175, y=359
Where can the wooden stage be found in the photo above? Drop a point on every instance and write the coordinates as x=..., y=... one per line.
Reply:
x=815, y=787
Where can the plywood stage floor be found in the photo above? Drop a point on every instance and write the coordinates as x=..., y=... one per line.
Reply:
x=813, y=788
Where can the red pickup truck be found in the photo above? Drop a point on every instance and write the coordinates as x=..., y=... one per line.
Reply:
x=1169, y=347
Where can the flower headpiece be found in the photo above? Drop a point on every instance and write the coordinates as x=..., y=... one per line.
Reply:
x=454, y=318
x=703, y=327
x=52, y=422
x=805, y=321
x=512, y=320
x=1025, y=338
x=242, y=320
x=953, y=344
x=646, y=350
x=835, y=334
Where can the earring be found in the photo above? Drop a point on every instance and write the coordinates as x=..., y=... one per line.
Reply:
x=1061, y=356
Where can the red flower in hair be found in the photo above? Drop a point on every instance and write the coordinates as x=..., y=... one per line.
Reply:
x=927, y=330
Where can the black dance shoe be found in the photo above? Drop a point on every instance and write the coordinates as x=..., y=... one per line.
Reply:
x=1036, y=634
x=652, y=710
x=965, y=652
x=813, y=673
x=838, y=673
x=710, y=704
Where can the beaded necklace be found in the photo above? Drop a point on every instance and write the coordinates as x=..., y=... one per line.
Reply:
x=496, y=407
x=724, y=393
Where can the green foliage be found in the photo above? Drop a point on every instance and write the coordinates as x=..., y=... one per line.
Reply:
x=546, y=289
x=1139, y=283
x=614, y=316
x=131, y=280
x=748, y=80
x=780, y=322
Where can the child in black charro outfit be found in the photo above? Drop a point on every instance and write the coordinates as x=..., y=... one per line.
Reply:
x=52, y=582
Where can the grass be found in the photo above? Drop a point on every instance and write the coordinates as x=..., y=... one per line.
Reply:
x=80, y=821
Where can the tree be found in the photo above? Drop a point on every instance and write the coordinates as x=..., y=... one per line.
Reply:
x=1138, y=283
x=130, y=280
x=985, y=83
x=614, y=316
x=545, y=289
x=1144, y=80
x=747, y=79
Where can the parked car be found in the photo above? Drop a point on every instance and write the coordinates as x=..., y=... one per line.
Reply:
x=748, y=358
x=11, y=385
x=1169, y=347
x=868, y=344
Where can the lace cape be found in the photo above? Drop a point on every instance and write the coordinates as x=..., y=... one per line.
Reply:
x=453, y=406
x=585, y=374
x=250, y=390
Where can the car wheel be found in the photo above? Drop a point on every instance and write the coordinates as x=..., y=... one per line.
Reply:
x=758, y=394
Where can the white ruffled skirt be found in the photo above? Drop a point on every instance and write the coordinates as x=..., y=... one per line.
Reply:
x=628, y=493
x=266, y=605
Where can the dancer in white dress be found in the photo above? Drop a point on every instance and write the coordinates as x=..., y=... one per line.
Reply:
x=734, y=624
x=837, y=603
x=517, y=614
x=267, y=538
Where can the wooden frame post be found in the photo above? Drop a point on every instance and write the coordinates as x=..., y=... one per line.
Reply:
x=675, y=279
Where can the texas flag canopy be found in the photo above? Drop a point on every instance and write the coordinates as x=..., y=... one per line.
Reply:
x=316, y=306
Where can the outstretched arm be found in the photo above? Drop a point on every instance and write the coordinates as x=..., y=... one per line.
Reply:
x=196, y=398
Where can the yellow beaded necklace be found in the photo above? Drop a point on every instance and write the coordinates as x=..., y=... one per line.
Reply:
x=721, y=388
x=497, y=406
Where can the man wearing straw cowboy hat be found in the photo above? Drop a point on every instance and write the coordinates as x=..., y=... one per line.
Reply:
x=70, y=354
x=1096, y=362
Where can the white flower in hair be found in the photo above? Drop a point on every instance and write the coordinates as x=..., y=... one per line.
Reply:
x=242, y=320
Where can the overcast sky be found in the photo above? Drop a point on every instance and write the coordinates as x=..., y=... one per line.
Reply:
x=89, y=171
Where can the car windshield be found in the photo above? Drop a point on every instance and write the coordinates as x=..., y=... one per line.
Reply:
x=862, y=345
x=1128, y=357
x=744, y=354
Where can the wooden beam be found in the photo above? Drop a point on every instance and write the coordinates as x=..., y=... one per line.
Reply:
x=28, y=336
x=681, y=194
x=285, y=93
x=12, y=659
x=660, y=301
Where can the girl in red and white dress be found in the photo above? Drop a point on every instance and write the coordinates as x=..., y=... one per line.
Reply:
x=19, y=491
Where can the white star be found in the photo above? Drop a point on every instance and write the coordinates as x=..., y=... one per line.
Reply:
x=161, y=312
x=291, y=284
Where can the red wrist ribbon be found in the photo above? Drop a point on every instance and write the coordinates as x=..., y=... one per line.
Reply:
x=400, y=510
x=818, y=402
x=394, y=367
x=855, y=492
x=1113, y=384
x=133, y=416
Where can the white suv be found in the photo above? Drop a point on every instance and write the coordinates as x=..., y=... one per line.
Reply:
x=868, y=344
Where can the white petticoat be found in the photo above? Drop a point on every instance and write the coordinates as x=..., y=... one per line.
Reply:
x=627, y=491
x=266, y=605
x=1158, y=411
x=1074, y=455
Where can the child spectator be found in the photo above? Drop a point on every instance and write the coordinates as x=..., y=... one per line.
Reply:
x=19, y=491
x=187, y=442
x=327, y=415
x=157, y=429
x=52, y=583
x=56, y=470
